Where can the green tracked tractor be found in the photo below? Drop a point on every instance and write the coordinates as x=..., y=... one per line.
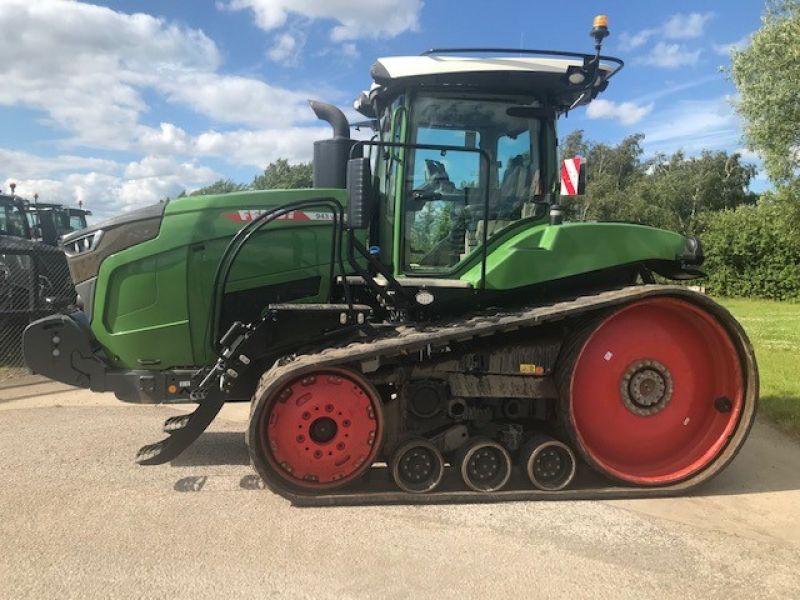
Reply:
x=422, y=325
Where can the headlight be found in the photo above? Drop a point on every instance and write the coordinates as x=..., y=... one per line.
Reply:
x=85, y=243
x=692, y=251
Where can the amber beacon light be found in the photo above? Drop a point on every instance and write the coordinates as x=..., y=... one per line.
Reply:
x=599, y=29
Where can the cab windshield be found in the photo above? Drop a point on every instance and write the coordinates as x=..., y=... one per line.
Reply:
x=12, y=221
x=77, y=221
x=445, y=190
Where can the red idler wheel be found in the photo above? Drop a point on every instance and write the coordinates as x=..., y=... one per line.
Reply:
x=656, y=392
x=321, y=430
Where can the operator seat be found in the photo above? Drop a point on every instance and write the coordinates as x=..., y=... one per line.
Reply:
x=512, y=202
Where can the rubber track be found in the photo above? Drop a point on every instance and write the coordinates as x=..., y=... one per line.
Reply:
x=377, y=488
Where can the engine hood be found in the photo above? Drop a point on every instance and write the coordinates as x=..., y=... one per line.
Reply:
x=140, y=214
x=87, y=248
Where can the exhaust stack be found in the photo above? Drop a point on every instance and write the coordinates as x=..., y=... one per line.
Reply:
x=331, y=155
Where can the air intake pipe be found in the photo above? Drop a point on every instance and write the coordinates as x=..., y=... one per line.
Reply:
x=331, y=155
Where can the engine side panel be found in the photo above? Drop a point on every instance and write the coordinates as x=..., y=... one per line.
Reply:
x=152, y=299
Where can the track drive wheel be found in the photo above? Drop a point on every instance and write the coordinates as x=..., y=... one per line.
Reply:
x=417, y=466
x=653, y=394
x=316, y=432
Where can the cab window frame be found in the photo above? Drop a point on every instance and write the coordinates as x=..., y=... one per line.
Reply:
x=467, y=260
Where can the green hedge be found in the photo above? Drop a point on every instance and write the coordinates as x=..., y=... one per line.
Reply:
x=754, y=251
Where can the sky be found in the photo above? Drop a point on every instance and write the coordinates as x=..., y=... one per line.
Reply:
x=121, y=103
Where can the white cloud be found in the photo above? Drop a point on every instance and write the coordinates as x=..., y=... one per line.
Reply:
x=232, y=99
x=627, y=113
x=693, y=125
x=749, y=156
x=93, y=190
x=677, y=27
x=257, y=148
x=669, y=90
x=106, y=194
x=631, y=41
x=686, y=27
x=726, y=49
x=349, y=50
x=84, y=65
x=672, y=56
x=163, y=166
x=286, y=49
x=24, y=165
x=91, y=71
x=87, y=67
x=374, y=19
x=167, y=139
x=254, y=147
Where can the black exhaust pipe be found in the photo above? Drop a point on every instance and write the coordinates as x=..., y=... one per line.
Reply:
x=331, y=114
x=331, y=155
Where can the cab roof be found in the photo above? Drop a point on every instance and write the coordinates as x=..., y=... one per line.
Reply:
x=387, y=70
x=507, y=72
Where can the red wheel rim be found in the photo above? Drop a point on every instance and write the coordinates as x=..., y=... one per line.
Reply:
x=323, y=429
x=696, y=404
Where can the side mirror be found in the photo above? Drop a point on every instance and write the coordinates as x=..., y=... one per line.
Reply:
x=573, y=177
x=359, y=193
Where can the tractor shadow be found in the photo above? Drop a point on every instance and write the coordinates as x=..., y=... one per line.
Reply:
x=215, y=448
x=766, y=463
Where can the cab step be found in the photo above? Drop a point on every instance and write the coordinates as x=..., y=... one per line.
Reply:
x=183, y=430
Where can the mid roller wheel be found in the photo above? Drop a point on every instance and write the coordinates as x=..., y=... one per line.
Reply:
x=318, y=431
x=417, y=466
x=549, y=464
x=485, y=465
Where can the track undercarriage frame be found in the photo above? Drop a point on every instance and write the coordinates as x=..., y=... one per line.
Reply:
x=454, y=424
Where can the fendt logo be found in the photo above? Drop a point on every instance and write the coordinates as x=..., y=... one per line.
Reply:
x=243, y=216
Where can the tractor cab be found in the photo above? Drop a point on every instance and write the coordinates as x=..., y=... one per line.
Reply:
x=479, y=148
x=13, y=222
x=464, y=153
x=50, y=222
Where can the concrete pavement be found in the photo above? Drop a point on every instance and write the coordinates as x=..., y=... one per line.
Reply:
x=81, y=520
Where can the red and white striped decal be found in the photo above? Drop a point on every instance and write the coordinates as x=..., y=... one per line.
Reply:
x=243, y=216
x=570, y=173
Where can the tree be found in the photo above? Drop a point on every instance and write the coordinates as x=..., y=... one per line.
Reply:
x=767, y=75
x=221, y=186
x=671, y=192
x=280, y=175
x=678, y=191
x=611, y=170
x=753, y=250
